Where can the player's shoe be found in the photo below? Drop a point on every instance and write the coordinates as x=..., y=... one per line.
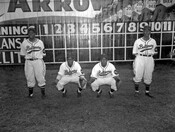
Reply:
x=64, y=94
x=30, y=95
x=43, y=95
x=147, y=94
x=136, y=94
x=99, y=93
x=111, y=95
x=78, y=94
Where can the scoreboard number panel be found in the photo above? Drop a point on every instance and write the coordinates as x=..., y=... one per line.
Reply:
x=92, y=37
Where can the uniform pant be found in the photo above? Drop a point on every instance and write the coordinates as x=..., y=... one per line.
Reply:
x=143, y=68
x=66, y=79
x=35, y=70
x=102, y=81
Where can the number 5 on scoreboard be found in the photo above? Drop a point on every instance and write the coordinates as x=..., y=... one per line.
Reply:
x=119, y=27
x=95, y=27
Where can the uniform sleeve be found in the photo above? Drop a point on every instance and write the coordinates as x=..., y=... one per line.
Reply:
x=135, y=49
x=42, y=45
x=154, y=46
x=113, y=70
x=94, y=71
x=61, y=70
x=78, y=68
x=22, y=49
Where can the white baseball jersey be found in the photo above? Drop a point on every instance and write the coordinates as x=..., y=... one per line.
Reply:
x=64, y=68
x=32, y=50
x=144, y=47
x=98, y=68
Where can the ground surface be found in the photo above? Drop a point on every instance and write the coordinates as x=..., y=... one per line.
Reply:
x=123, y=113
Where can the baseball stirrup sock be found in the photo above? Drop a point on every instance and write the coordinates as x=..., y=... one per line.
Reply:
x=79, y=90
x=63, y=90
x=98, y=90
x=30, y=90
x=136, y=87
x=147, y=88
x=43, y=91
x=111, y=91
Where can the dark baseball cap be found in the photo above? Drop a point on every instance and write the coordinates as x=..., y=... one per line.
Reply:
x=31, y=29
x=146, y=27
x=103, y=56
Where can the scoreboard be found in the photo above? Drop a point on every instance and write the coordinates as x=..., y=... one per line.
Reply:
x=85, y=40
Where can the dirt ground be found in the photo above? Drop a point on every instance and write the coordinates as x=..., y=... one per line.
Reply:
x=123, y=113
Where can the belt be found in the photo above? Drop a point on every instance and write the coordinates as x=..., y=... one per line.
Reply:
x=32, y=59
x=145, y=55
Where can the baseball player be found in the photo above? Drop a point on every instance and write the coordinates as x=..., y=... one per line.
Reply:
x=143, y=65
x=103, y=73
x=33, y=51
x=70, y=71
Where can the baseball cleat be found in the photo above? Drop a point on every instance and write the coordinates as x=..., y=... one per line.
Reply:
x=111, y=95
x=147, y=94
x=64, y=94
x=99, y=93
x=136, y=94
x=78, y=94
x=43, y=96
x=30, y=95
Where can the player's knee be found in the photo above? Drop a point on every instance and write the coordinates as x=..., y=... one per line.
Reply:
x=94, y=86
x=59, y=86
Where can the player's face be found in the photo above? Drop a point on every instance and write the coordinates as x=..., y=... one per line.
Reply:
x=104, y=62
x=146, y=32
x=70, y=61
x=31, y=34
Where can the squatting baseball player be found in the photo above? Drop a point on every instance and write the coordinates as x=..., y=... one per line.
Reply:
x=103, y=73
x=143, y=65
x=70, y=71
x=32, y=49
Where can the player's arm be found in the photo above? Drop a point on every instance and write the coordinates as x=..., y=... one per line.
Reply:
x=43, y=48
x=60, y=73
x=22, y=49
x=155, y=52
x=93, y=76
x=135, y=49
x=172, y=53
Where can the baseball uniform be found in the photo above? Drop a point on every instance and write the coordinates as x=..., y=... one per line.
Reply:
x=143, y=65
x=104, y=75
x=68, y=74
x=33, y=51
x=144, y=62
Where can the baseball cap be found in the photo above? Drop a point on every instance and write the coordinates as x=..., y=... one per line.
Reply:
x=31, y=29
x=146, y=27
x=103, y=56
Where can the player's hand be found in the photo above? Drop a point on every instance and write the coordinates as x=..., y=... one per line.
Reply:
x=92, y=79
x=171, y=54
x=55, y=82
x=68, y=72
x=74, y=71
